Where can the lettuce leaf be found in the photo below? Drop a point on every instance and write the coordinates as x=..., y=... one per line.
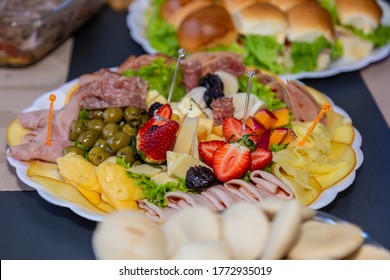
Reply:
x=380, y=37
x=161, y=35
x=263, y=51
x=261, y=91
x=305, y=54
x=330, y=5
x=159, y=76
x=155, y=193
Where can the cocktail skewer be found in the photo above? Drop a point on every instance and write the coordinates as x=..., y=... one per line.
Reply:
x=52, y=98
x=251, y=74
x=324, y=109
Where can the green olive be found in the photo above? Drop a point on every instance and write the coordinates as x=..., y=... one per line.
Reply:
x=96, y=125
x=110, y=129
x=97, y=155
x=96, y=114
x=87, y=139
x=112, y=115
x=73, y=150
x=128, y=129
x=127, y=154
x=118, y=141
x=133, y=116
x=102, y=143
x=76, y=128
x=137, y=162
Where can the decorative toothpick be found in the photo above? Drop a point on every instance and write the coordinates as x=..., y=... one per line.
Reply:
x=52, y=98
x=181, y=54
x=251, y=74
x=324, y=109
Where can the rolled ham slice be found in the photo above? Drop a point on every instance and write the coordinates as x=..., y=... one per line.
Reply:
x=180, y=200
x=156, y=213
x=221, y=197
x=244, y=190
x=269, y=185
x=34, y=119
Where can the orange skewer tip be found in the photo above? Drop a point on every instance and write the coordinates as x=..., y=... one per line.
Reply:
x=52, y=98
x=325, y=107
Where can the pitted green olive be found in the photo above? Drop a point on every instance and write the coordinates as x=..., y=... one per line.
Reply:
x=76, y=128
x=96, y=125
x=102, y=143
x=87, y=139
x=128, y=129
x=95, y=114
x=113, y=115
x=118, y=141
x=127, y=154
x=97, y=155
x=110, y=129
x=73, y=150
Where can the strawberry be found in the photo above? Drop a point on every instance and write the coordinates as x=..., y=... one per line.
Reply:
x=207, y=148
x=261, y=157
x=154, y=143
x=231, y=161
x=233, y=130
x=165, y=112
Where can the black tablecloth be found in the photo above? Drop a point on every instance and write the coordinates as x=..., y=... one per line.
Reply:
x=32, y=228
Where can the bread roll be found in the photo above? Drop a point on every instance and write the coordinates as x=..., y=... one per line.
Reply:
x=174, y=11
x=286, y=5
x=361, y=14
x=262, y=19
x=308, y=22
x=233, y=6
x=208, y=27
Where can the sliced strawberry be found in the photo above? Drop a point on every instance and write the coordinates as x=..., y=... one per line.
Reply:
x=233, y=130
x=207, y=148
x=162, y=115
x=231, y=161
x=154, y=143
x=261, y=157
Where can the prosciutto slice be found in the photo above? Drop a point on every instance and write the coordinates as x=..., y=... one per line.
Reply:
x=180, y=200
x=220, y=197
x=270, y=186
x=156, y=213
x=244, y=190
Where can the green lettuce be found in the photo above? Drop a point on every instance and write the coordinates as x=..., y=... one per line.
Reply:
x=159, y=76
x=263, y=51
x=155, y=193
x=380, y=37
x=330, y=5
x=261, y=91
x=305, y=54
x=161, y=35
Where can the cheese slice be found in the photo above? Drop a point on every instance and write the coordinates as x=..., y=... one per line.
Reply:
x=186, y=135
x=162, y=178
x=178, y=164
x=146, y=169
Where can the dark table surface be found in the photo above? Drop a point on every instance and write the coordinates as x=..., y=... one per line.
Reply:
x=32, y=228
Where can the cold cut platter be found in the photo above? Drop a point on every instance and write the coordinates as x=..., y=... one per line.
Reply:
x=119, y=142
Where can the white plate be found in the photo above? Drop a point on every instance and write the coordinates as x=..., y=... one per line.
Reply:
x=137, y=25
x=42, y=102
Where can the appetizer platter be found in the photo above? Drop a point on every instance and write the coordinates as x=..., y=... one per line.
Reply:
x=160, y=134
x=243, y=32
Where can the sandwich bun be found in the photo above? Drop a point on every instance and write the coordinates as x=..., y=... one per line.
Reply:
x=262, y=19
x=233, y=6
x=175, y=11
x=205, y=28
x=361, y=14
x=354, y=47
x=286, y=5
x=308, y=22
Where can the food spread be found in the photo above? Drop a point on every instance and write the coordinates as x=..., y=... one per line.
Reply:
x=118, y=144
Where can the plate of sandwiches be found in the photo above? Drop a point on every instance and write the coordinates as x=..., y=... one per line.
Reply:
x=295, y=39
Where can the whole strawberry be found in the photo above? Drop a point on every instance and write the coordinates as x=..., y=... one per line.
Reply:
x=153, y=144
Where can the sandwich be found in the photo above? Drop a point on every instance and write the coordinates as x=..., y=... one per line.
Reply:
x=263, y=29
x=311, y=38
x=286, y=5
x=358, y=26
